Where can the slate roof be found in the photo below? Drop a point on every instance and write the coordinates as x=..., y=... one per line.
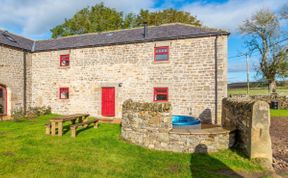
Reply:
x=16, y=41
x=155, y=33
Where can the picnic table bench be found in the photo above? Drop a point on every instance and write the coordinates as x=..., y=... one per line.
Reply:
x=84, y=124
x=57, y=123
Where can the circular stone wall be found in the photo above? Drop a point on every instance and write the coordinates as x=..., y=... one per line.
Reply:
x=178, y=140
x=150, y=125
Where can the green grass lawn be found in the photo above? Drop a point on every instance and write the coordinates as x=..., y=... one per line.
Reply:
x=257, y=91
x=279, y=113
x=25, y=151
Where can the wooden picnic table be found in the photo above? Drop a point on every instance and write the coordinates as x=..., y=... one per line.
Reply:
x=57, y=123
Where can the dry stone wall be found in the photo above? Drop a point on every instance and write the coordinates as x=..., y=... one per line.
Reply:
x=250, y=119
x=282, y=100
x=150, y=125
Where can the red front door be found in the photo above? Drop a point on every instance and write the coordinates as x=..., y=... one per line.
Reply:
x=108, y=101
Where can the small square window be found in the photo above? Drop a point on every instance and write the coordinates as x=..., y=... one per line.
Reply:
x=160, y=94
x=64, y=93
x=161, y=53
x=64, y=60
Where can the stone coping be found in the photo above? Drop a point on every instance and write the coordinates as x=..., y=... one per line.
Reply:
x=208, y=131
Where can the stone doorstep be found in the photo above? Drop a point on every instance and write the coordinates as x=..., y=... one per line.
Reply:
x=110, y=120
x=4, y=118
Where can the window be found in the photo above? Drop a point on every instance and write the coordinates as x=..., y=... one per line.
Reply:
x=161, y=53
x=64, y=93
x=160, y=94
x=64, y=60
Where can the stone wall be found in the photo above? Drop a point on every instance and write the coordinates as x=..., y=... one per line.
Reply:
x=189, y=75
x=143, y=115
x=12, y=76
x=150, y=125
x=283, y=100
x=250, y=119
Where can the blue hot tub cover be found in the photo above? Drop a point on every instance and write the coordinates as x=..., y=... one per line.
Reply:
x=179, y=120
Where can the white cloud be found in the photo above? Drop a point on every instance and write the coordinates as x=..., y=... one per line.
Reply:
x=229, y=15
x=36, y=17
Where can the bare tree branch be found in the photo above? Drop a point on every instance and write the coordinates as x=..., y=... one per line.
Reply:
x=263, y=29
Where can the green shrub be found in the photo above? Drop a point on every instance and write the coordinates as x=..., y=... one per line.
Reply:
x=1, y=109
x=31, y=113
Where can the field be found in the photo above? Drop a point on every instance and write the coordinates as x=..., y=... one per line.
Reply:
x=279, y=113
x=26, y=151
x=257, y=91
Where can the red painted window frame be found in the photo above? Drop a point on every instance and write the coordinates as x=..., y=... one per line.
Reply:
x=155, y=93
x=62, y=58
x=156, y=53
x=60, y=91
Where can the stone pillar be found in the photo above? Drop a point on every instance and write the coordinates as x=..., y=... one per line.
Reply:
x=251, y=121
x=260, y=142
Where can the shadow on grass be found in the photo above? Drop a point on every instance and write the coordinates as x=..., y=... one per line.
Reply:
x=66, y=128
x=83, y=129
x=203, y=165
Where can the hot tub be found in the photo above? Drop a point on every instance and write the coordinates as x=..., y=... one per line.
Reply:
x=189, y=122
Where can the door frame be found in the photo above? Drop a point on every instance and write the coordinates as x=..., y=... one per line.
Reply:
x=5, y=95
x=118, y=97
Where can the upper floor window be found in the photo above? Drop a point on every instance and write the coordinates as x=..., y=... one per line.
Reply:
x=64, y=60
x=160, y=94
x=64, y=93
x=161, y=53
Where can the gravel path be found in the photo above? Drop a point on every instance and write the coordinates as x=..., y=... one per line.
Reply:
x=279, y=137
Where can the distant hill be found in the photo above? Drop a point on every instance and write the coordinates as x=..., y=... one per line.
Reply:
x=255, y=84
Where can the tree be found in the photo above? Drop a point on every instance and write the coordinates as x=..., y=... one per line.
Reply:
x=130, y=21
x=263, y=29
x=95, y=19
x=284, y=67
x=100, y=18
x=166, y=16
x=284, y=12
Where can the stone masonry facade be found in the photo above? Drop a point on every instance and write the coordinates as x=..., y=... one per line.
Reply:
x=12, y=78
x=190, y=75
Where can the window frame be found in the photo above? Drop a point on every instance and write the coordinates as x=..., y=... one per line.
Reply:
x=156, y=93
x=60, y=91
x=159, y=53
x=61, y=59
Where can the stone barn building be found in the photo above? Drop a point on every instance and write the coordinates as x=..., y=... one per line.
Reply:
x=95, y=73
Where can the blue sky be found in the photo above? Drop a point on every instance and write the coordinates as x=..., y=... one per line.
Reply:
x=34, y=19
